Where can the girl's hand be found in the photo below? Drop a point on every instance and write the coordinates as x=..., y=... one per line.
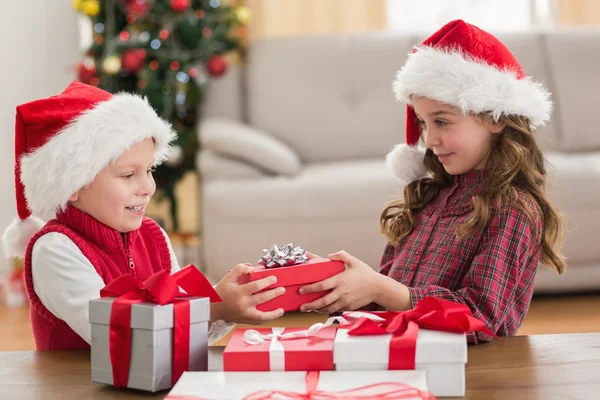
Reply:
x=240, y=301
x=351, y=289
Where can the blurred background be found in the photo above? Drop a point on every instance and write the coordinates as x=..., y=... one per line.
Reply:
x=285, y=112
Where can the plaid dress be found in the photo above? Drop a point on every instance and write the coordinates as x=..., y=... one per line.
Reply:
x=492, y=272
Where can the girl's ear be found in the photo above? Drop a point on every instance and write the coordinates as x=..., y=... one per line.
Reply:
x=494, y=127
x=74, y=196
x=497, y=127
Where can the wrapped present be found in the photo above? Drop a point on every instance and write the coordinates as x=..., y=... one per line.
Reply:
x=431, y=337
x=146, y=334
x=408, y=385
x=293, y=270
x=281, y=349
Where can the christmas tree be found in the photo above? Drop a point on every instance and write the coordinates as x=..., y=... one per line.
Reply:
x=165, y=50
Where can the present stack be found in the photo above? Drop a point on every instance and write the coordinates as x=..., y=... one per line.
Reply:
x=430, y=338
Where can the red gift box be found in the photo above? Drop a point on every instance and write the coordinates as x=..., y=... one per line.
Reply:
x=293, y=278
x=310, y=353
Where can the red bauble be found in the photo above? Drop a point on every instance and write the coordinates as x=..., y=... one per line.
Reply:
x=138, y=8
x=180, y=6
x=86, y=72
x=133, y=59
x=216, y=65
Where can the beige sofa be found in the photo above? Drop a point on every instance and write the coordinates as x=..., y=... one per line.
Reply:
x=294, y=144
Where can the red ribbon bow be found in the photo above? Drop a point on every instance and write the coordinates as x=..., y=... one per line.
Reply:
x=160, y=288
x=429, y=313
x=382, y=391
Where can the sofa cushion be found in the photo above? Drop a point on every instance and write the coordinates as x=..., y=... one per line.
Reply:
x=234, y=139
x=214, y=166
x=329, y=98
x=321, y=191
x=574, y=179
x=574, y=57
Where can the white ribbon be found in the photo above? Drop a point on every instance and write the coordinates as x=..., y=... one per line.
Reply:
x=276, y=350
x=356, y=315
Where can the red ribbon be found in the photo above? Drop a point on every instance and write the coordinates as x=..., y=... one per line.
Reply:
x=160, y=288
x=381, y=391
x=429, y=313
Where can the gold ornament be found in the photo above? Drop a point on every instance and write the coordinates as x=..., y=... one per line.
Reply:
x=232, y=57
x=111, y=65
x=242, y=14
x=91, y=7
x=77, y=5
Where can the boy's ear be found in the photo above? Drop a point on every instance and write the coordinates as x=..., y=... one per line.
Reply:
x=74, y=196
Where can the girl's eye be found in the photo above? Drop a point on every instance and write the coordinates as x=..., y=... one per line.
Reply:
x=421, y=123
x=151, y=170
x=128, y=176
x=440, y=123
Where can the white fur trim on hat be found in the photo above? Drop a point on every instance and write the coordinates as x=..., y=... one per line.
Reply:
x=406, y=163
x=18, y=234
x=73, y=157
x=471, y=85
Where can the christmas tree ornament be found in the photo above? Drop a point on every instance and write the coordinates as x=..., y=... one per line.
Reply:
x=90, y=7
x=242, y=14
x=133, y=59
x=138, y=8
x=216, y=65
x=180, y=6
x=111, y=65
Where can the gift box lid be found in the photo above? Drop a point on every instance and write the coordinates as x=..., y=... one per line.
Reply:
x=150, y=316
x=238, y=385
x=432, y=347
x=314, y=270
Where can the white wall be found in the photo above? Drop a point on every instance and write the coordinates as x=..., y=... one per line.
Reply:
x=39, y=47
x=426, y=16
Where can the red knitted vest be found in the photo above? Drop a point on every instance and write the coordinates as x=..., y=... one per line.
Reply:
x=109, y=252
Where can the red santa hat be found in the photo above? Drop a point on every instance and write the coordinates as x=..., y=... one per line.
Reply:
x=64, y=141
x=466, y=67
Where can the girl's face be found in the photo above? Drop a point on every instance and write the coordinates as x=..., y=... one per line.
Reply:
x=120, y=193
x=460, y=142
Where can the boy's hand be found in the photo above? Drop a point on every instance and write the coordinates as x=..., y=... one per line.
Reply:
x=351, y=289
x=240, y=301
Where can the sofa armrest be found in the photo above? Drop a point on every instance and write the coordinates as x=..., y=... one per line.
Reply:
x=212, y=166
x=236, y=140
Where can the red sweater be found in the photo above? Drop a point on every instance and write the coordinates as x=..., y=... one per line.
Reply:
x=109, y=252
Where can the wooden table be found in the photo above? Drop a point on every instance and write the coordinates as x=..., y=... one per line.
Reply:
x=548, y=367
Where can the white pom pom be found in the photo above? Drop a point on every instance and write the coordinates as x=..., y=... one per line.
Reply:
x=18, y=234
x=406, y=163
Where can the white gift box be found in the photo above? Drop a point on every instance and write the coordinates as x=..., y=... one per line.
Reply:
x=152, y=342
x=441, y=355
x=238, y=385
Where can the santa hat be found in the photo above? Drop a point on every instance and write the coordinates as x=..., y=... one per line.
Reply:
x=466, y=67
x=64, y=141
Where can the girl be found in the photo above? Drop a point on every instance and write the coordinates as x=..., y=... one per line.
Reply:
x=474, y=227
x=84, y=162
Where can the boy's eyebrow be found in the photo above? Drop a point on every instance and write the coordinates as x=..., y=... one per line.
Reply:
x=133, y=165
x=437, y=113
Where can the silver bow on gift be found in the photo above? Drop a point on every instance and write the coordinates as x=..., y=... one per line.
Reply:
x=279, y=257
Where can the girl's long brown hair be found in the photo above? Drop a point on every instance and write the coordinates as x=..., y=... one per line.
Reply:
x=516, y=164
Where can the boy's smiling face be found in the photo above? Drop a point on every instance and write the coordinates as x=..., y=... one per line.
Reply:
x=119, y=194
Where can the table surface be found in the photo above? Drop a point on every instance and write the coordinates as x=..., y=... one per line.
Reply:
x=522, y=367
